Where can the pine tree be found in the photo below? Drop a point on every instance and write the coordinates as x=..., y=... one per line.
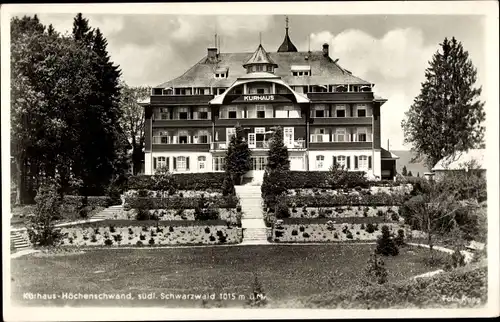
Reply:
x=404, y=172
x=410, y=174
x=446, y=117
x=278, y=152
x=238, y=156
x=81, y=30
x=418, y=174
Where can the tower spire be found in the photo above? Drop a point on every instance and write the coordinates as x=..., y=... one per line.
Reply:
x=287, y=45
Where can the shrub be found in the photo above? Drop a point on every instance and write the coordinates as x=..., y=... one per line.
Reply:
x=400, y=239
x=457, y=259
x=385, y=244
x=40, y=227
x=171, y=229
x=117, y=238
x=362, y=226
x=349, y=235
x=278, y=233
x=336, y=235
x=301, y=228
x=112, y=229
x=139, y=243
x=222, y=237
x=151, y=241
x=130, y=231
x=282, y=210
x=176, y=202
x=380, y=213
x=108, y=242
x=394, y=216
x=93, y=238
x=212, y=238
x=207, y=230
x=142, y=237
x=375, y=271
x=305, y=235
x=295, y=232
x=179, y=181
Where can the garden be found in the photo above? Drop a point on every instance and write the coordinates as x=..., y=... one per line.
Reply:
x=165, y=209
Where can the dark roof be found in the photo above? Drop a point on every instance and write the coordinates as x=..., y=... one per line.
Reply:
x=260, y=56
x=323, y=70
x=287, y=46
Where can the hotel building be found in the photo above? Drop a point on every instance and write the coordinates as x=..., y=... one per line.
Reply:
x=328, y=115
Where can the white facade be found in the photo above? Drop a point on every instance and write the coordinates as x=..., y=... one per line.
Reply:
x=368, y=160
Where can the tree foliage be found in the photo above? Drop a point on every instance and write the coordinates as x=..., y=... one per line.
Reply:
x=64, y=111
x=237, y=160
x=278, y=152
x=132, y=121
x=446, y=117
x=404, y=172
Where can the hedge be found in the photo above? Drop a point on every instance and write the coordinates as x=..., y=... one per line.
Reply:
x=183, y=181
x=432, y=292
x=378, y=199
x=92, y=201
x=313, y=179
x=175, y=202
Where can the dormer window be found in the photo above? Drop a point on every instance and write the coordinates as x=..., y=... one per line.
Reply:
x=260, y=61
x=221, y=72
x=298, y=70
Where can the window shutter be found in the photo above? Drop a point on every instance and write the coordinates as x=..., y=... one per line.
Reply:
x=348, y=159
x=168, y=163
x=355, y=162
x=334, y=160
x=175, y=163
x=369, y=162
x=187, y=163
x=154, y=163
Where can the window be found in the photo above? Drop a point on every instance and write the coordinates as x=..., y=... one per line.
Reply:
x=361, y=111
x=295, y=74
x=341, y=161
x=261, y=111
x=341, y=135
x=259, y=68
x=164, y=114
x=340, y=111
x=202, y=162
x=362, y=135
x=270, y=69
x=259, y=163
x=183, y=113
x=363, y=162
x=301, y=73
x=320, y=161
x=261, y=91
x=161, y=162
x=320, y=113
x=182, y=164
x=260, y=130
x=203, y=113
x=231, y=114
x=218, y=164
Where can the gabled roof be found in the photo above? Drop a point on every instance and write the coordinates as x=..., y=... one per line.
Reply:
x=323, y=70
x=384, y=154
x=287, y=45
x=260, y=56
x=459, y=161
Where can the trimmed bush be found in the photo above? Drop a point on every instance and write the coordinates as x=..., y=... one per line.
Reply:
x=305, y=235
x=295, y=232
x=385, y=244
x=151, y=241
x=175, y=202
x=182, y=181
x=139, y=243
x=108, y=242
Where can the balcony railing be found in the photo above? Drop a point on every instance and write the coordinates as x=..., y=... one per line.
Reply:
x=326, y=138
x=297, y=144
x=167, y=140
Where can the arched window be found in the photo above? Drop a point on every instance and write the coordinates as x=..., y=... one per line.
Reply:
x=320, y=161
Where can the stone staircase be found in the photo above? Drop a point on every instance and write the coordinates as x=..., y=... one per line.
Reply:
x=18, y=242
x=252, y=222
x=109, y=213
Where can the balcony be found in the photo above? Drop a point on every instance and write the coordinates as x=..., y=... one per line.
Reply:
x=180, y=99
x=269, y=121
x=182, y=123
x=354, y=97
x=329, y=145
x=341, y=120
x=259, y=145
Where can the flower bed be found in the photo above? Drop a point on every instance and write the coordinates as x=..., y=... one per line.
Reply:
x=178, y=214
x=332, y=232
x=151, y=233
x=391, y=212
x=395, y=189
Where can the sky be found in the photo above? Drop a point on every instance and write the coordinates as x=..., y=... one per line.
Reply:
x=390, y=51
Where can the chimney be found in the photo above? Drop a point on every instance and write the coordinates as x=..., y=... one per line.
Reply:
x=212, y=55
x=325, y=49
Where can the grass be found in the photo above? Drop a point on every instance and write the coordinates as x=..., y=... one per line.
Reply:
x=284, y=271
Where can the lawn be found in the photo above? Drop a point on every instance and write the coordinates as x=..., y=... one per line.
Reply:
x=285, y=272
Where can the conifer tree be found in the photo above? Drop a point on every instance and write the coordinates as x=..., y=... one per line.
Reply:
x=238, y=156
x=404, y=172
x=278, y=152
x=446, y=117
